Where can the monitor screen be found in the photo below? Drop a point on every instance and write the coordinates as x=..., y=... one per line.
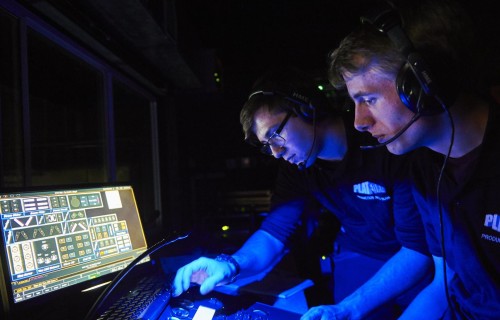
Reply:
x=54, y=239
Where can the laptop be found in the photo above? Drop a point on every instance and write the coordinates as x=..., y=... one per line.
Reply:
x=57, y=244
x=81, y=253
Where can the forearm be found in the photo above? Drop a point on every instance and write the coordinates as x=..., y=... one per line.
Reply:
x=259, y=252
x=433, y=304
x=400, y=273
x=432, y=299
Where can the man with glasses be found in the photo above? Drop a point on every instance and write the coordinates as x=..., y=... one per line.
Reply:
x=381, y=239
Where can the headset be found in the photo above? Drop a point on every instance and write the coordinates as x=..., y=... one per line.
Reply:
x=415, y=84
x=308, y=106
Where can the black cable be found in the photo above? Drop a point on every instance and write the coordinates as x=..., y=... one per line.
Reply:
x=120, y=276
x=438, y=195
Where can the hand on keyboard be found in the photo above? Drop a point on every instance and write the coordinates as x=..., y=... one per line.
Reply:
x=206, y=272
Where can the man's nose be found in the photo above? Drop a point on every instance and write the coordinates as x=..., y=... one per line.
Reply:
x=277, y=151
x=362, y=118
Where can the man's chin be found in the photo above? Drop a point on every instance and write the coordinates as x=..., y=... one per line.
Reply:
x=399, y=148
x=306, y=163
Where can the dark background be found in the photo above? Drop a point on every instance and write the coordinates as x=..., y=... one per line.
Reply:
x=251, y=36
x=202, y=57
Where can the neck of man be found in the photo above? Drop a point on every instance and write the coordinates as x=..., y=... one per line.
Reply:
x=334, y=139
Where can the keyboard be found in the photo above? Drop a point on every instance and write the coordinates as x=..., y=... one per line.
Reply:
x=146, y=301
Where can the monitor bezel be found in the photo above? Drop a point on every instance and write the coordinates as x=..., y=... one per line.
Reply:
x=82, y=289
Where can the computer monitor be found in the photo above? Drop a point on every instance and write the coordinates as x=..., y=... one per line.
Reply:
x=54, y=239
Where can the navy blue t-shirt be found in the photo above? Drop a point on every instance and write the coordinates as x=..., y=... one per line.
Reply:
x=368, y=193
x=470, y=208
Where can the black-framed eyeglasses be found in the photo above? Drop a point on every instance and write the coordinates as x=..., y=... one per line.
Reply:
x=275, y=140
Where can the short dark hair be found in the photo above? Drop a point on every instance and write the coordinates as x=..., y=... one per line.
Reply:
x=273, y=103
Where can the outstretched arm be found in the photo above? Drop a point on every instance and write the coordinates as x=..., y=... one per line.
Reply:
x=256, y=254
x=397, y=275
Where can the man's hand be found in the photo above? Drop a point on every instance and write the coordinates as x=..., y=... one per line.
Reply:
x=330, y=312
x=206, y=272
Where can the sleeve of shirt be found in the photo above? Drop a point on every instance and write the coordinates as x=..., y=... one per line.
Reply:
x=430, y=220
x=407, y=219
x=287, y=204
x=421, y=177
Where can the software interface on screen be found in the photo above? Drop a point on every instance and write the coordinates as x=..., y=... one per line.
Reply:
x=56, y=239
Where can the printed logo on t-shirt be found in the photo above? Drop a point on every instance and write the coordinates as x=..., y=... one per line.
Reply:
x=492, y=221
x=370, y=191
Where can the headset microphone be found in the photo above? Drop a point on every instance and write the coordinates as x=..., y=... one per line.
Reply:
x=302, y=165
x=415, y=117
x=397, y=135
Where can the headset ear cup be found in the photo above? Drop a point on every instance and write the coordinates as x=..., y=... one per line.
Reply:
x=408, y=87
x=409, y=90
x=305, y=111
x=309, y=106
